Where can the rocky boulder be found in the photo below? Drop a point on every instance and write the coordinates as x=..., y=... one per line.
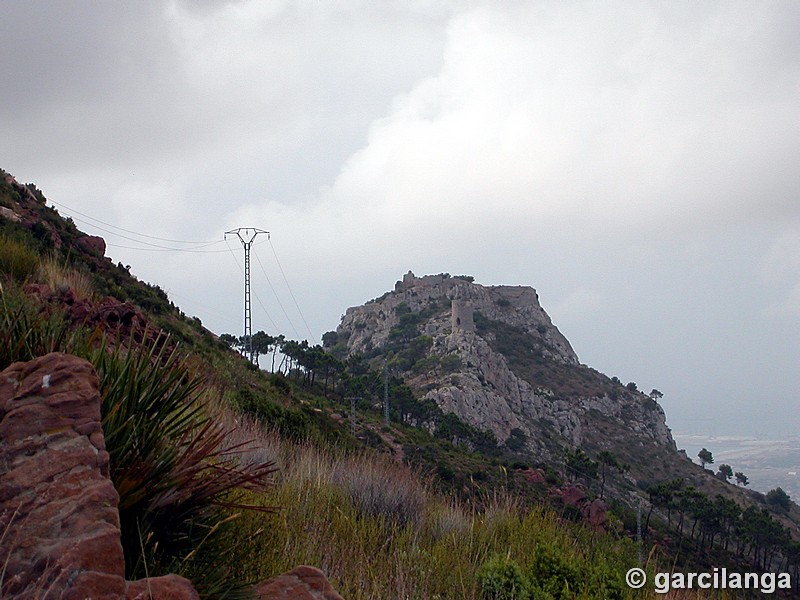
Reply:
x=301, y=583
x=58, y=506
x=594, y=512
x=93, y=244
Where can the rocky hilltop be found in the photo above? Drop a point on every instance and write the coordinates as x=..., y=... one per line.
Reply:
x=492, y=356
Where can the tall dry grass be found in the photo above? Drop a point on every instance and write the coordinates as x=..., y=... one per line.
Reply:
x=61, y=277
x=378, y=532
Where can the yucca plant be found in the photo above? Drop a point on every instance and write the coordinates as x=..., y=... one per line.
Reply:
x=176, y=479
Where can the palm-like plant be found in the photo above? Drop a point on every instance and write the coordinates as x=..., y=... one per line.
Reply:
x=170, y=465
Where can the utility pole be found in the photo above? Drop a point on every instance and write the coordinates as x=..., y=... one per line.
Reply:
x=385, y=394
x=639, y=530
x=247, y=235
x=353, y=400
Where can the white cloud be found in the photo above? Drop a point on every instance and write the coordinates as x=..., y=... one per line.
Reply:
x=593, y=151
x=558, y=122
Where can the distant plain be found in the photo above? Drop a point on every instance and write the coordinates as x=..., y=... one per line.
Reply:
x=768, y=463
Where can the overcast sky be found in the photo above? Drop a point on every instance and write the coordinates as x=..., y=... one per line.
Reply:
x=638, y=163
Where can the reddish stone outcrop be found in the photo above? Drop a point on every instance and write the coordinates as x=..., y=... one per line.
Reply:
x=114, y=318
x=534, y=476
x=93, y=244
x=59, y=522
x=301, y=583
x=595, y=512
x=58, y=507
x=573, y=495
x=9, y=214
x=168, y=587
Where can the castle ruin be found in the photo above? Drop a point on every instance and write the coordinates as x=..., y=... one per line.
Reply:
x=461, y=317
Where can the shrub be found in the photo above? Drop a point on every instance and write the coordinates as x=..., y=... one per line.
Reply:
x=26, y=331
x=500, y=578
x=290, y=422
x=383, y=490
x=516, y=441
x=17, y=261
x=554, y=573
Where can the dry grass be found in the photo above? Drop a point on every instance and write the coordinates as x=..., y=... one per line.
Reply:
x=60, y=278
x=378, y=532
x=375, y=485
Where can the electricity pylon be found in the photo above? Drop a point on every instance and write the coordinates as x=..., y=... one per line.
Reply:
x=247, y=235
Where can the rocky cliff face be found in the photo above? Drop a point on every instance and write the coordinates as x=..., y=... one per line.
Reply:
x=492, y=356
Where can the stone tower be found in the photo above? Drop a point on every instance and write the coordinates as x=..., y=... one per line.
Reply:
x=461, y=316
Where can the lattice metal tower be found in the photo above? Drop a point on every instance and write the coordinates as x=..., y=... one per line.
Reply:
x=247, y=235
x=385, y=395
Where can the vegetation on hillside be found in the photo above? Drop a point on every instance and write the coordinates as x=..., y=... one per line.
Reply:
x=428, y=507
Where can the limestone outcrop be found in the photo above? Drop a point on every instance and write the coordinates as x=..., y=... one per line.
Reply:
x=493, y=357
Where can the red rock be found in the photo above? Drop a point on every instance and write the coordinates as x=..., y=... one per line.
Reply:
x=596, y=514
x=59, y=509
x=301, y=583
x=39, y=290
x=93, y=243
x=573, y=495
x=535, y=476
x=168, y=587
x=9, y=214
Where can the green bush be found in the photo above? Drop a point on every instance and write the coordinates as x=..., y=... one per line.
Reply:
x=500, y=578
x=554, y=574
x=290, y=422
x=17, y=261
x=27, y=332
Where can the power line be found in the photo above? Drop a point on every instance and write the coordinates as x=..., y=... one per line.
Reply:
x=110, y=245
x=158, y=247
x=300, y=312
x=152, y=237
x=205, y=307
x=276, y=297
